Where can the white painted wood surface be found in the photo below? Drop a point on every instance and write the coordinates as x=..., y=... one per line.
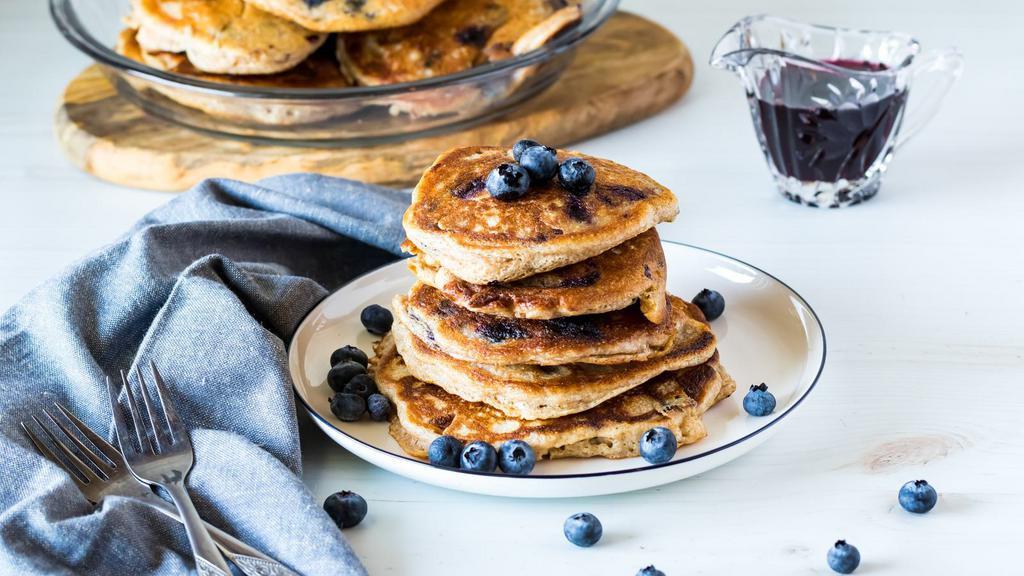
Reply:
x=920, y=291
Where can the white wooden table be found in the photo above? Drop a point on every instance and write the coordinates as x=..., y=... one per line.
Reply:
x=921, y=292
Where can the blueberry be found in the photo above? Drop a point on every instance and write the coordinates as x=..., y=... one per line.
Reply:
x=478, y=456
x=342, y=373
x=349, y=353
x=378, y=406
x=377, y=319
x=918, y=496
x=361, y=385
x=348, y=407
x=583, y=529
x=710, y=303
x=516, y=457
x=650, y=571
x=759, y=401
x=540, y=163
x=521, y=146
x=346, y=508
x=576, y=175
x=508, y=182
x=658, y=445
x=445, y=451
x=843, y=558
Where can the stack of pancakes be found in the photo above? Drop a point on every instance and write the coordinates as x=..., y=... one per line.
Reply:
x=545, y=318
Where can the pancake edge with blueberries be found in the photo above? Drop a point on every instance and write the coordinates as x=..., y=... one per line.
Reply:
x=676, y=400
x=610, y=338
x=481, y=239
x=532, y=392
x=633, y=271
x=348, y=15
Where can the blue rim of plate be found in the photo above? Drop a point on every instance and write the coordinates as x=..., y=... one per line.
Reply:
x=821, y=367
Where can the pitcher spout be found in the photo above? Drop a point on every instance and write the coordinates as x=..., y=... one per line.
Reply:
x=736, y=48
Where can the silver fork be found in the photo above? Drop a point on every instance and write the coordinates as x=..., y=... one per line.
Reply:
x=113, y=479
x=164, y=458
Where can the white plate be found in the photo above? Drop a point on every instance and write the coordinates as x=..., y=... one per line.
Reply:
x=767, y=334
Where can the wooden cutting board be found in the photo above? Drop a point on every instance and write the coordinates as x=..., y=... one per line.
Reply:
x=628, y=70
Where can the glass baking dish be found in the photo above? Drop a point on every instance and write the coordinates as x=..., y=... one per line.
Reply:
x=349, y=116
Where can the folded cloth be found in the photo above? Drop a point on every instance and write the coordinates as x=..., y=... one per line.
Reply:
x=211, y=286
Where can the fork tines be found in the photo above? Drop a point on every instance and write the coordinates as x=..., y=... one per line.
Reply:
x=155, y=436
x=84, y=462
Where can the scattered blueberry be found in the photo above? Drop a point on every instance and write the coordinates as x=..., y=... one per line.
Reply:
x=445, y=451
x=583, y=529
x=918, y=496
x=516, y=457
x=508, y=182
x=843, y=558
x=576, y=175
x=348, y=407
x=378, y=406
x=658, y=445
x=759, y=401
x=540, y=163
x=361, y=385
x=349, y=353
x=342, y=373
x=710, y=303
x=650, y=571
x=479, y=456
x=346, y=508
x=521, y=146
x=377, y=319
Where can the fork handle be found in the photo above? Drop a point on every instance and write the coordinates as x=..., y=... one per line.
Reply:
x=248, y=559
x=209, y=562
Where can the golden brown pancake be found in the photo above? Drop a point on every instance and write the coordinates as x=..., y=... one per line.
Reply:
x=349, y=15
x=676, y=400
x=611, y=338
x=531, y=392
x=456, y=36
x=223, y=36
x=481, y=239
x=615, y=279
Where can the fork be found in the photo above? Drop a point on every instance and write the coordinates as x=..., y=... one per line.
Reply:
x=113, y=479
x=164, y=458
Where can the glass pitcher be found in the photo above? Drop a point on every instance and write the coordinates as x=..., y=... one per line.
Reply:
x=828, y=103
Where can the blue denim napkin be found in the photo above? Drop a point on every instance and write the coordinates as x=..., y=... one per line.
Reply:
x=211, y=286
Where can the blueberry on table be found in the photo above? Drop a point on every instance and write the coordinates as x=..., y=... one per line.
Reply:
x=378, y=406
x=759, y=401
x=658, y=445
x=918, y=496
x=576, y=175
x=583, y=529
x=478, y=456
x=362, y=385
x=540, y=163
x=650, y=571
x=377, y=319
x=508, y=182
x=348, y=407
x=349, y=353
x=516, y=457
x=346, y=508
x=342, y=373
x=710, y=302
x=843, y=558
x=521, y=146
x=445, y=451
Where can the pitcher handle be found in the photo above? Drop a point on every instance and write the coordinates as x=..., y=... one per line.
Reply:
x=933, y=75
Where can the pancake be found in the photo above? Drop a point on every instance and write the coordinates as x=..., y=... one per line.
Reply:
x=676, y=400
x=348, y=15
x=456, y=36
x=633, y=271
x=531, y=392
x=611, y=338
x=223, y=36
x=481, y=239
